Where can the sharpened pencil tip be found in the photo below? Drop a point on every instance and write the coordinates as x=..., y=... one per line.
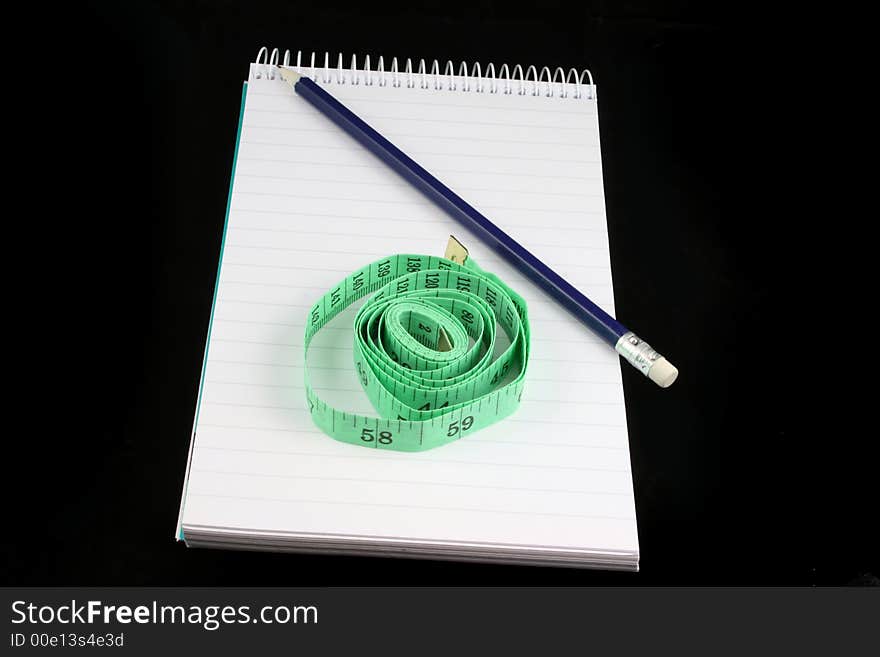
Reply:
x=290, y=76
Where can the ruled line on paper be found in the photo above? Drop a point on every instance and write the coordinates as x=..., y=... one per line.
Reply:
x=357, y=502
x=553, y=160
x=419, y=482
x=337, y=165
x=373, y=458
x=468, y=122
x=397, y=102
x=392, y=135
x=437, y=220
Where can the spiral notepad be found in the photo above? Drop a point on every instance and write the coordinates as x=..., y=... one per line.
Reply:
x=307, y=206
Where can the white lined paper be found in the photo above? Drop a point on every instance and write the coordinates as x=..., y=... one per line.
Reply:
x=308, y=206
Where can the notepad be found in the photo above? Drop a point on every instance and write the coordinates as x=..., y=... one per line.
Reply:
x=308, y=205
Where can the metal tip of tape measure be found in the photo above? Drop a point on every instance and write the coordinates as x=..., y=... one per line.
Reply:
x=443, y=343
x=456, y=251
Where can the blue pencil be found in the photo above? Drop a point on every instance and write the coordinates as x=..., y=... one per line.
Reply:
x=633, y=349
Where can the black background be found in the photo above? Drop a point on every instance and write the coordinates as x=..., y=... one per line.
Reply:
x=127, y=177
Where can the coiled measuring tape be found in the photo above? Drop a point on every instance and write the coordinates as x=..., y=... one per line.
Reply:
x=424, y=351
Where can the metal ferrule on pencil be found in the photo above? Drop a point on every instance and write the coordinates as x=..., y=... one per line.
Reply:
x=639, y=353
x=646, y=359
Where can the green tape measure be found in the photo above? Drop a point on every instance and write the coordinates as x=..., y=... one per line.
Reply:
x=424, y=350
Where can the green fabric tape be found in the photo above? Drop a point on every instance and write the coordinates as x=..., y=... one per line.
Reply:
x=425, y=397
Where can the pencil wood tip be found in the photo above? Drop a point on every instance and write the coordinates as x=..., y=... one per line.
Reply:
x=290, y=76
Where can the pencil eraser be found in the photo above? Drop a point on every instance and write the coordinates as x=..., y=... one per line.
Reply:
x=663, y=373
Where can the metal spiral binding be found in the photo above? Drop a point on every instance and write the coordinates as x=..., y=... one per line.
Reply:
x=531, y=82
